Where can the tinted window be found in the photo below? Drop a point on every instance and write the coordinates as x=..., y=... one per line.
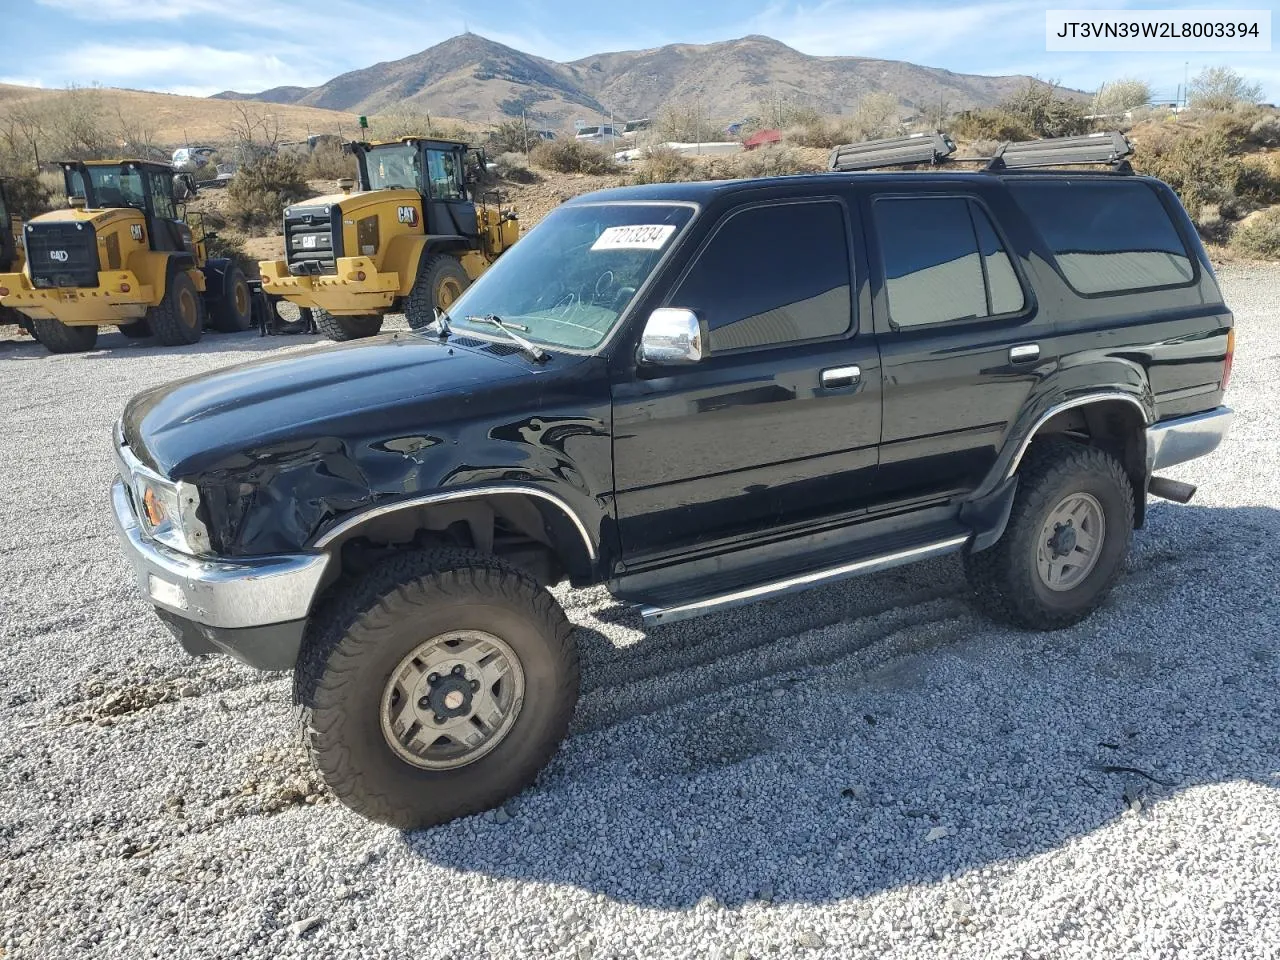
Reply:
x=1108, y=237
x=162, y=195
x=933, y=271
x=445, y=174
x=772, y=274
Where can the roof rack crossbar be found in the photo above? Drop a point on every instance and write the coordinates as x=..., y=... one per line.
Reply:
x=892, y=152
x=1111, y=148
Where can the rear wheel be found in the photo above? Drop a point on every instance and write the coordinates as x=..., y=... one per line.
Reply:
x=441, y=280
x=1066, y=541
x=60, y=338
x=345, y=328
x=233, y=311
x=436, y=686
x=137, y=330
x=179, y=317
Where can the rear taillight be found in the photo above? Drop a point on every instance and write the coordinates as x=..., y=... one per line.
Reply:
x=1231, y=353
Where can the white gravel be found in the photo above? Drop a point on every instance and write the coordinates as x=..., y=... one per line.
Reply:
x=868, y=770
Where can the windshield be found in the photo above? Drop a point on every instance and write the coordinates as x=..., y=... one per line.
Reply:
x=395, y=165
x=568, y=281
x=112, y=186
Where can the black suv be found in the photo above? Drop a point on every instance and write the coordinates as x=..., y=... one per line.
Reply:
x=699, y=394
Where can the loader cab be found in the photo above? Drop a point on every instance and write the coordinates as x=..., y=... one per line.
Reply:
x=138, y=184
x=8, y=248
x=437, y=169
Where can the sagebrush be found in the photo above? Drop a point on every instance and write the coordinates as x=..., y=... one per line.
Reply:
x=259, y=192
x=1259, y=236
x=567, y=155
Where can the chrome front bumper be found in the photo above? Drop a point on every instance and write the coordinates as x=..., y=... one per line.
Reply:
x=1170, y=442
x=252, y=592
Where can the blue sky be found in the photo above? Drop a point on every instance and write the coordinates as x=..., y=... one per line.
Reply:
x=248, y=45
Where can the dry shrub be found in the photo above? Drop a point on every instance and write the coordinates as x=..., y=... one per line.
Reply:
x=328, y=162
x=991, y=124
x=1259, y=179
x=567, y=155
x=513, y=168
x=664, y=165
x=259, y=192
x=765, y=162
x=1259, y=236
x=1200, y=165
x=28, y=192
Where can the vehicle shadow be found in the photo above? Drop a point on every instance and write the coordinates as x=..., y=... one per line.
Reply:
x=881, y=733
x=112, y=345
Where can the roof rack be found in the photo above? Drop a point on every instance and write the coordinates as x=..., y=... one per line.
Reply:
x=1110, y=148
x=917, y=148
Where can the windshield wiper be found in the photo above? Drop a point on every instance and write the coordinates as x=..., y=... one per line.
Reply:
x=536, y=352
x=444, y=326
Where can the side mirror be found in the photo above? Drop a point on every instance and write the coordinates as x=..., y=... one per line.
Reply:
x=673, y=335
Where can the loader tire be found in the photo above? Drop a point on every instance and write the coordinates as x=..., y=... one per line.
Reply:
x=59, y=338
x=136, y=330
x=343, y=329
x=232, y=312
x=178, y=320
x=440, y=282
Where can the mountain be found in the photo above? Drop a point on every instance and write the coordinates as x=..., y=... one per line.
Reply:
x=477, y=79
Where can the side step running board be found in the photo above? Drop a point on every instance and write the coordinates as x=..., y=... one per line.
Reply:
x=803, y=581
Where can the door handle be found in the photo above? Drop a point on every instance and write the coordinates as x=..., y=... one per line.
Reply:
x=841, y=376
x=1024, y=353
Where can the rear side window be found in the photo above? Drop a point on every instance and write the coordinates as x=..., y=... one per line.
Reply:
x=1113, y=237
x=943, y=261
x=772, y=274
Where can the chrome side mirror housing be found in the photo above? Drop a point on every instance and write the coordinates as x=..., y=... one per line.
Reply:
x=673, y=335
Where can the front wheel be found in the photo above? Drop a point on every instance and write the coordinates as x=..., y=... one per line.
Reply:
x=440, y=282
x=1066, y=541
x=178, y=319
x=343, y=328
x=435, y=686
x=60, y=338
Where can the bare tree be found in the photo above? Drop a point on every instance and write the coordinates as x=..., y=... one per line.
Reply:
x=137, y=136
x=1221, y=88
x=254, y=130
x=874, y=116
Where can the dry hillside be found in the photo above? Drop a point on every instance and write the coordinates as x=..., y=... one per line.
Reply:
x=173, y=119
x=482, y=81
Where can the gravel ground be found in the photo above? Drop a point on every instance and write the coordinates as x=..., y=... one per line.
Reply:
x=867, y=770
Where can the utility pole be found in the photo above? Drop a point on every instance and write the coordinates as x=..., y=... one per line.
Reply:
x=524, y=121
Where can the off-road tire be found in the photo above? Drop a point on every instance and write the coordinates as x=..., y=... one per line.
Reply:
x=59, y=338
x=136, y=330
x=172, y=320
x=437, y=275
x=1004, y=577
x=343, y=329
x=364, y=630
x=232, y=312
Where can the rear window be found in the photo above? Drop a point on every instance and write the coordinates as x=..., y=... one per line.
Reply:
x=1111, y=237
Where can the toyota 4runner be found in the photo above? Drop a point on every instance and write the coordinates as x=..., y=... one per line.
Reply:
x=701, y=395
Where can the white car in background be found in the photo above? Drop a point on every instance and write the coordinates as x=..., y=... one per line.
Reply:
x=599, y=133
x=192, y=156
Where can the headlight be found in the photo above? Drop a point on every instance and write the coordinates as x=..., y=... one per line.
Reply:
x=170, y=513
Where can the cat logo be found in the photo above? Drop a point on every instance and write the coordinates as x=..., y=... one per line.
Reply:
x=407, y=215
x=60, y=255
x=136, y=230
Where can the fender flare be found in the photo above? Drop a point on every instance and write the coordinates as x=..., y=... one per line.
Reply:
x=405, y=254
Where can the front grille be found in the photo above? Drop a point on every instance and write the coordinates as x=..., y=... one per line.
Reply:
x=62, y=254
x=308, y=240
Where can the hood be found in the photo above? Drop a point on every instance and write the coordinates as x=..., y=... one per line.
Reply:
x=182, y=428
x=353, y=201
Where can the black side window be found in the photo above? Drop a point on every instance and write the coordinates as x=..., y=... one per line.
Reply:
x=162, y=195
x=773, y=274
x=1110, y=237
x=943, y=261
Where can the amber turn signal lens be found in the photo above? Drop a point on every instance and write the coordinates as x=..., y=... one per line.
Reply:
x=1231, y=355
x=153, y=508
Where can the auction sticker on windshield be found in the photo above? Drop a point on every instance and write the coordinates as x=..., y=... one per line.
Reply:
x=640, y=236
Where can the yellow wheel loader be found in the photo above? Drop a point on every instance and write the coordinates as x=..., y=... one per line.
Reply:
x=11, y=256
x=121, y=255
x=411, y=238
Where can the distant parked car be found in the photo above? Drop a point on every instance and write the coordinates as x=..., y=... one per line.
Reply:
x=603, y=133
x=192, y=156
